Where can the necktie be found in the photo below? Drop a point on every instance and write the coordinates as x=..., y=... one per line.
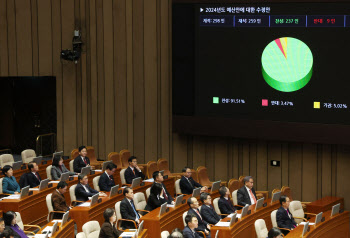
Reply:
x=110, y=178
x=85, y=161
x=164, y=194
x=190, y=182
x=251, y=194
x=133, y=207
x=133, y=171
x=36, y=175
x=290, y=217
x=198, y=214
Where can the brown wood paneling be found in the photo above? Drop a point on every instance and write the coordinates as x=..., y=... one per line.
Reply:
x=343, y=168
x=179, y=153
x=295, y=169
x=274, y=172
x=235, y=159
x=284, y=164
x=326, y=170
x=11, y=37
x=221, y=162
x=245, y=158
x=210, y=156
x=35, y=40
x=309, y=173
x=198, y=151
x=252, y=159
x=4, y=70
x=261, y=175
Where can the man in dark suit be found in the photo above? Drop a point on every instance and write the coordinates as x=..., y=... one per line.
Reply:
x=106, y=181
x=207, y=211
x=82, y=160
x=158, y=178
x=191, y=224
x=284, y=217
x=59, y=201
x=133, y=171
x=202, y=224
x=225, y=204
x=187, y=184
x=83, y=191
x=33, y=177
x=246, y=194
x=128, y=209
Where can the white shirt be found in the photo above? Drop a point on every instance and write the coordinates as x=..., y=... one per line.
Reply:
x=86, y=190
x=35, y=175
x=288, y=213
x=132, y=168
x=251, y=199
x=83, y=159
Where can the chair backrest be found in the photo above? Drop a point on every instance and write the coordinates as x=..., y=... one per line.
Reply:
x=19, y=220
x=163, y=164
x=275, y=190
x=260, y=228
x=6, y=159
x=203, y=177
x=49, y=205
x=273, y=218
x=183, y=218
x=91, y=154
x=48, y=172
x=95, y=183
x=140, y=201
x=81, y=235
x=91, y=229
x=148, y=191
x=72, y=192
x=297, y=210
x=286, y=191
x=71, y=166
x=117, y=210
x=216, y=205
x=177, y=187
x=233, y=185
x=124, y=156
x=164, y=234
x=28, y=155
x=122, y=176
x=241, y=181
x=74, y=154
x=234, y=198
x=151, y=167
x=1, y=184
x=194, y=175
x=114, y=156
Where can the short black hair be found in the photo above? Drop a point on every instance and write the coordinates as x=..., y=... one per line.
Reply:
x=126, y=190
x=111, y=166
x=81, y=148
x=61, y=184
x=56, y=159
x=189, y=201
x=6, y=168
x=274, y=232
x=8, y=217
x=155, y=174
x=156, y=189
x=108, y=213
x=283, y=199
x=204, y=196
x=222, y=191
x=184, y=169
x=131, y=158
x=81, y=176
x=31, y=165
x=189, y=218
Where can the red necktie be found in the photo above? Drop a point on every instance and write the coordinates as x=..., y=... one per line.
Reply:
x=85, y=161
x=36, y=175
x=133, y=171
x=251, y=194
x=164, y=194
x=198, y=214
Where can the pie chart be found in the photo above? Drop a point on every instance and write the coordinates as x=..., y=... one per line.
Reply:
x=287, y=64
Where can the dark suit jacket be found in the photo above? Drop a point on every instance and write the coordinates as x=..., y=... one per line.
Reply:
x=127, y=213
x=170, y=198
x=186, y=187
x=187, y=232
x=56, y=172
x=109, y=231
x=243, y=196
x=105, y=182
x=81, y=194
x=209, y=215
x=33, y=180
x=202, y=225
x=59, y=204
x=226, y=206
x=129, y=175
x=78, y=163
x=283, y=220
x=153, y=202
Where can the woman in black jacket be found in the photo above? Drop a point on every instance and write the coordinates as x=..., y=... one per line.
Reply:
x=108, y=229
x=156, y=198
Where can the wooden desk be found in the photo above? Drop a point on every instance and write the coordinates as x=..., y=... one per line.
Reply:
x=245, y=227
x=337, y=226
x=81, y=215
x=144, y=233
x=33, y=208
x=324, y=204
x=168, y=221
x=63, y=232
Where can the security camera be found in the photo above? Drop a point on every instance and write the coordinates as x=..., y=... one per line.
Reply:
x=73, y=55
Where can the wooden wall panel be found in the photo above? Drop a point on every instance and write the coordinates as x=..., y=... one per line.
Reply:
x=309, y=174
x=11, y=37
x=35, y=40
x=262, y=163
x=274, y=173
x=3, y=39
x=326, y=156
x=295, y=169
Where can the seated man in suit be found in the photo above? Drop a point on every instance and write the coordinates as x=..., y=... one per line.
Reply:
x=133, y=171
x=187, y=184
x=33, y=177
x=158, y=178
x=202, y=224
x=225, y=204
x=106, y=181
x=284, y=217
x=82, y=160
x=246, y=194
x=58, y=200
x=128, y=209
x=207, y=211
x=83, y=191
x=191, y=226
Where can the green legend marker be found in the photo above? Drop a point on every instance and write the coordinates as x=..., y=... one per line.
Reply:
x=215, y=100
x=287, y=64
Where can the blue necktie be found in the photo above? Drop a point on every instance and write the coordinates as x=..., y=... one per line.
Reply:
x=133, y=207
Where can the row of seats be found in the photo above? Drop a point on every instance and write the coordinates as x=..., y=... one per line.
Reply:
x=26, y=155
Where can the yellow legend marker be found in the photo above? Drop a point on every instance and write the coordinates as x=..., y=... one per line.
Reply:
x=317, y=105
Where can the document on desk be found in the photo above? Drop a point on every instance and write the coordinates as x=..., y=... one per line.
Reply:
x=13, y=196
x=151, y=180
x=34, y=189
x=54, y=220
x=221, y=223
x=128, y=234
x=170, y=205
x=39, y=236
x=54, y=181
x=237, y=216
x=98, y=170
x=303, y=223
x=85, y=204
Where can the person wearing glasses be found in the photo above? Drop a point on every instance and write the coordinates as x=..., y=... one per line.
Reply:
x=246, y=194
x=59, y=168
x=207, y=211
x=187, y=183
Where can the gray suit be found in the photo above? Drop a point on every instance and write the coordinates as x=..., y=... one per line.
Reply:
x=56, y=172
